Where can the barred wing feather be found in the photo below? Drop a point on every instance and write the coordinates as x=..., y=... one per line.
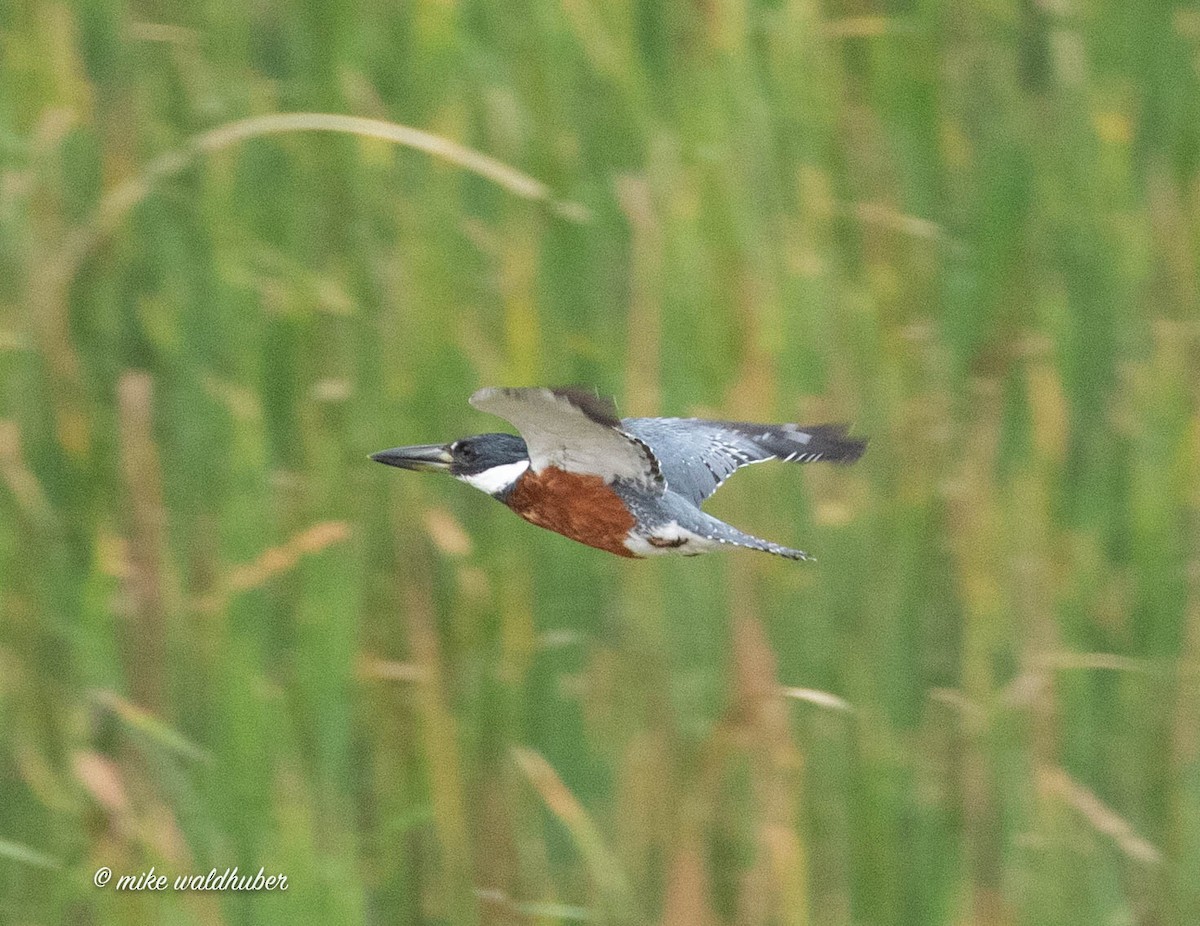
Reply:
x=697, y=456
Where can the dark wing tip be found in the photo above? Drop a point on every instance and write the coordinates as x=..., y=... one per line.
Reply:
x=826, y=442
x=596, y=408
x=599, y=409
x=835, y=446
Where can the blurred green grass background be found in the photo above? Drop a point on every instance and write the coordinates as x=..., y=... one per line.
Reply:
x=972, y=229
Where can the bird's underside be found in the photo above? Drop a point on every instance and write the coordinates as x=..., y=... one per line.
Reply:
x=630, y=486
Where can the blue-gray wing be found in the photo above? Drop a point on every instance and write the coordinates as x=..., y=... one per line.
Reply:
x=696, y=455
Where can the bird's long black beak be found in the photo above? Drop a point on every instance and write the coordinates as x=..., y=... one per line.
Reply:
x=432, y=457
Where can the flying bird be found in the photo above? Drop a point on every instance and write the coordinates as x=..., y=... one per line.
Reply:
x=631, y=486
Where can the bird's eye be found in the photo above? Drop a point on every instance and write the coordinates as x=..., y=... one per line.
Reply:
x=467, y=452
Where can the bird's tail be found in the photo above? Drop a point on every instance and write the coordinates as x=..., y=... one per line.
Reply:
x=750, y=542
x=717, y=530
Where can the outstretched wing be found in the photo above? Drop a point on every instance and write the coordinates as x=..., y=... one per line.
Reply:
x=699, y=455
x=572, y=430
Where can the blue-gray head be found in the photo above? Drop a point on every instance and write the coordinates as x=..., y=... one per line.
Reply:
x=491, y=463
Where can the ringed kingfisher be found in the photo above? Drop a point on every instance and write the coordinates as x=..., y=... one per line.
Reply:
x=631, y=486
